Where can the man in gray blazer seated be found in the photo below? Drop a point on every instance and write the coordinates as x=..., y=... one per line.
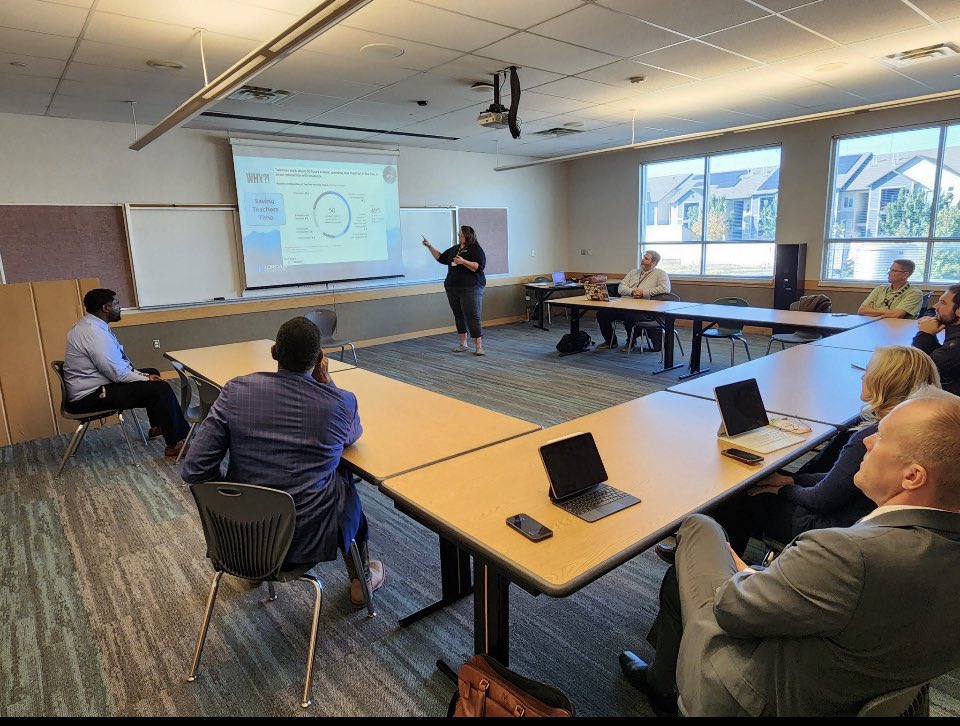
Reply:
x=843, y=614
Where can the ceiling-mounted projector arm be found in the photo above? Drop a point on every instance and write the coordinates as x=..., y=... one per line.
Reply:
x=514, y=103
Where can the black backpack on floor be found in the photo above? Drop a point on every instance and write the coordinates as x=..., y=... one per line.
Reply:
x=574, y=343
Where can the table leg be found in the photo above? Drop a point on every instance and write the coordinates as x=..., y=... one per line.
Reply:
x=491, y=612
x=696, y=346
x=542, y=296
x=668, y=343
x=454, y=581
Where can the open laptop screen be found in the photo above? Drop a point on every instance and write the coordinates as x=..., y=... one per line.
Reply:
x=741, y=406
x=559, y=278
x=573, y=465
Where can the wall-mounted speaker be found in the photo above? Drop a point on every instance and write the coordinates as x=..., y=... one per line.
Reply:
x=789, y=264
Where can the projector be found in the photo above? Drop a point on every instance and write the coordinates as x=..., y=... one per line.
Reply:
x=493, y=119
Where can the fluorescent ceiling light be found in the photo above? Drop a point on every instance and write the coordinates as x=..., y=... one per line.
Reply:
x=323, y=17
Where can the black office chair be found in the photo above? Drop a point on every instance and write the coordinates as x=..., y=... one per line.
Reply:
x=906, y=702
x=326, y=320
x=731, y=333
x=644, y=325
x=810, y=304
x=248, y=531
x=85, y=419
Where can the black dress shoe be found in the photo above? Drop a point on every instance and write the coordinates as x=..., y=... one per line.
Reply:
x=635, y=671
x=667, y=550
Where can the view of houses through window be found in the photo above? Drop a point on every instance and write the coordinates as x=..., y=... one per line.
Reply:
x=714, y=215
x=882, y=206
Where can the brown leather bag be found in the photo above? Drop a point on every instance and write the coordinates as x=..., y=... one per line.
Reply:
x=487, y=688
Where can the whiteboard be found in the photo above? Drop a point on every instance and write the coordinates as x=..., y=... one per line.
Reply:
x=437, y=225
x=183, y=254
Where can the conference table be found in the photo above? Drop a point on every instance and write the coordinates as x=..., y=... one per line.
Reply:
x=733, y=315
x=886, y=331
x=816, y=383
x=664, y=309
x=543, y=291
x=404, y=428
x=219, y=363
x=662, y=448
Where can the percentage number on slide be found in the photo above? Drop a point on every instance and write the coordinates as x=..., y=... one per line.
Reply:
x=332, y=214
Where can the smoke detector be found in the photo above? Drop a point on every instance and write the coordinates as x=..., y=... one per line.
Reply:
x=921, y=55
x=256, y=94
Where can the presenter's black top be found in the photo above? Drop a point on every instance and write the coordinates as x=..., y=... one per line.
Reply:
x=458, y=276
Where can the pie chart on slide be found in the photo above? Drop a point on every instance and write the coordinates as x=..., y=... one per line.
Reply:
x=332, y=215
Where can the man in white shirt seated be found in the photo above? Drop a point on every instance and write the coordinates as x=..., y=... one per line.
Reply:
x=100, y=377
x=896, y=300
x=644, y=283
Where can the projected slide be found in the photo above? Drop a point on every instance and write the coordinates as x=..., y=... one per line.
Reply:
x=305, y=220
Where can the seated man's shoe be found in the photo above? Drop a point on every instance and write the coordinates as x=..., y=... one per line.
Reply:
x=155, y=432
x=667, y=550
x=608, y=346
x=172, y=452
x=635, y=671
x=377, y=577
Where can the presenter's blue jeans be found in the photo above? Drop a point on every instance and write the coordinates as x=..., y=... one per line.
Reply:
x=466, y=304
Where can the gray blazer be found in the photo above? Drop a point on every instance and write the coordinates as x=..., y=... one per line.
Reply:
x=841, y=616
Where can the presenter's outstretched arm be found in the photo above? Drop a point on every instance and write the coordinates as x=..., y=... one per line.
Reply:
x=433, y=250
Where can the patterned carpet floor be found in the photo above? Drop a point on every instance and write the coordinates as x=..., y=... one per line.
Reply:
x=104, y=579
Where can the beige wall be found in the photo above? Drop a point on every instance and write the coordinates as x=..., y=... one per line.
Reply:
x=603, y=191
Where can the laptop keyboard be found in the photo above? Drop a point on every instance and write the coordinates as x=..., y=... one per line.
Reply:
x=763, y=438
x=592, y=500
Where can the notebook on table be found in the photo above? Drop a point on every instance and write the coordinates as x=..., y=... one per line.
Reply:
x=745, y=423
x=577, y=478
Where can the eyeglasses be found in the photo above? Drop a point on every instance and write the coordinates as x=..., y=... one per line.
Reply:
x=894, y=269
x=790, y=425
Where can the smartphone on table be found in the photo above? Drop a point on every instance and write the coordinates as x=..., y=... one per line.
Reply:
x=743, y=456
x=529, y=527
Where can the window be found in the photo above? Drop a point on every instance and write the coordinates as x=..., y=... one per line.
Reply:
x=713, y=215
x=882, y=207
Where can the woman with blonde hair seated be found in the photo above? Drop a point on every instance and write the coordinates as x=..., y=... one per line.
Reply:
x=781, y=506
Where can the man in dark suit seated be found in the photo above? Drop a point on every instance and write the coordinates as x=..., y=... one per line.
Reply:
x=843, y=614
x=947, y=354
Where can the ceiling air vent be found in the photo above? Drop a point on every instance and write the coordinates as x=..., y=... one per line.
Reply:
x=557, y=132
x=921, y=55
x=256, y=94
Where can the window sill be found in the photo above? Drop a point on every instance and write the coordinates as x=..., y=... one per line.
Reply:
x=720, y=281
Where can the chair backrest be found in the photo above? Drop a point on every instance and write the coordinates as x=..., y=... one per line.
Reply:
x=326, y=320
x=912, y=701
x=208, y=393
x=925, y=305
x=186, y=388
x=248, y=528
x=57, y=366
x=735, y=301
x=813, y=304
x=669, y=296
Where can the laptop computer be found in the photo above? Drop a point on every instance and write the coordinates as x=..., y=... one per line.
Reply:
x=745, y=422
x=577, y=478
x=559, y=278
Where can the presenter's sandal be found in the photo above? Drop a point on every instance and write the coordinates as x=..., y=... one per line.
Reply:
x=479, y=351
x=635, y=671
x=377, y=577
x=460, y=349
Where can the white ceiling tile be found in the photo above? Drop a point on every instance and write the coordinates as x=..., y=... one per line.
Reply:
x=879, y=85
x=42, y=17
x=216, y=16
x=778, y=6
x=40, y=45
x=297, y=108
x=586, y=124
x=12, y=83
x=610, y=32
x=940, y=75
x=526, y=49
x=470, y=68
x=381, y=115
x=427, y=24
x=939, y=10
x=406, y=138
x=438, y=91
x=818, y=94
x=695, y=59
x=113, y=111
x=690, y=17
x=297, y=72
x=768, y=40
x=819, y=66
x=135, y=59
x=76, y=3
x=512, y=13
x=347, y=42
x=476, y=144
x=141, y=93
x=766, y=108
x=126, y=78
x=580, y=89
x=719, y=118
x=849, y=21
x=553, y=104
x=30, y=104
x=40, y=67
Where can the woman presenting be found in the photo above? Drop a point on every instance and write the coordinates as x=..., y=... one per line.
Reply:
x=464, y=285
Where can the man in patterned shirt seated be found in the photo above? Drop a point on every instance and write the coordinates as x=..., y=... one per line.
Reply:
x=897, y=299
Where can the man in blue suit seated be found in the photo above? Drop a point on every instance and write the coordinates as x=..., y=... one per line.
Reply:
x=843, y=615
x=287, y=430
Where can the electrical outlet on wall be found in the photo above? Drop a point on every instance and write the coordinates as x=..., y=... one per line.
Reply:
x=156, y=344
x=583, y=251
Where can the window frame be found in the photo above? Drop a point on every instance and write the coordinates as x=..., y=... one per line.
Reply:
x=748, y=219
x=930, y=240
